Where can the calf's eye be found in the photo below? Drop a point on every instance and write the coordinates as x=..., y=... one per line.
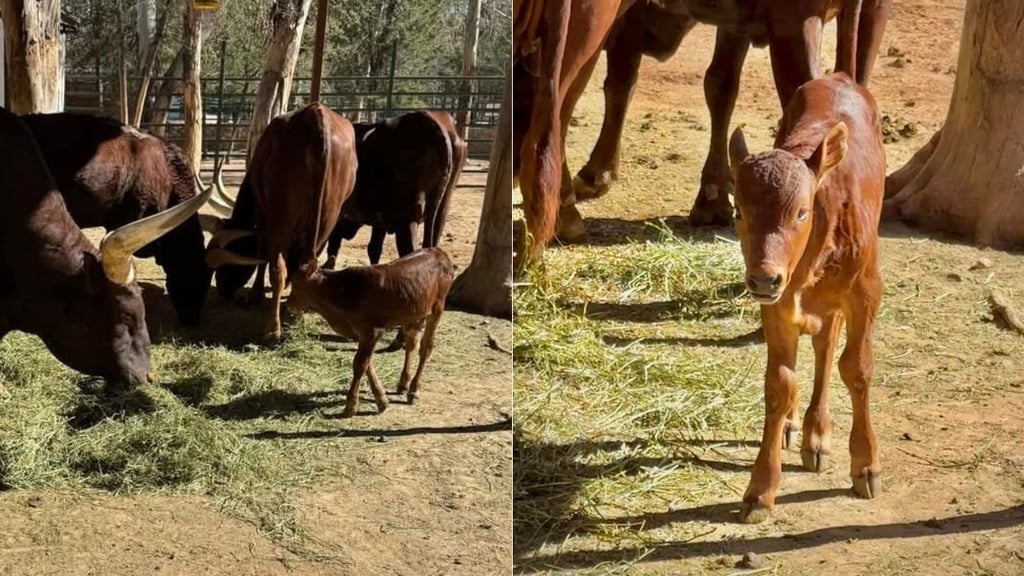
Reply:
x=802, y=215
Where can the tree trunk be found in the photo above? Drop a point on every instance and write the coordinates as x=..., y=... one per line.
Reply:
x=288, y=19
x=193, y=102
x=486, y=286
x=32, y=46
x=469, y=45
x=967, y=179
x=148, y=61
x=158, y=113
x=146, y=28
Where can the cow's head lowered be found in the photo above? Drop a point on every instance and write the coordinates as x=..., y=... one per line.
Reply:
x=775, y=207
x=82, y=302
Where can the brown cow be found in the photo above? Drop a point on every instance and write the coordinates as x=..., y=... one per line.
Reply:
x=556, y=42
x=302, y=171
x=361, y=302
x=807, y=215
x=793, y=35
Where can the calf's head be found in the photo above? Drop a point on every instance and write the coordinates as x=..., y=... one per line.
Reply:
x=774, y=197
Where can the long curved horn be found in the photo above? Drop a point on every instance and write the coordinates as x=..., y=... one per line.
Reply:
x=222, y=237
x=219, y=257
x=117, y=246
x=210, y=223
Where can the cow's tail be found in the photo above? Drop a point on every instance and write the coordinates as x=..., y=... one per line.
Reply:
x=320, y=180
x=437, y=202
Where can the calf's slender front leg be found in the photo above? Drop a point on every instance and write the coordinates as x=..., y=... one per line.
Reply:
x=360, y=365
x=411, y=334
x=379, y=395
x=426, y=347
x=856, y=367
x=779, y=394
x=816, y=442
x=278, y=271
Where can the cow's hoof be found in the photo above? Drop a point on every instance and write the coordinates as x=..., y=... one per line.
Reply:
x=788, y=434
x=595, y=188
x=397, y=344
x=814, y=461
x=570, y=225
x=712, y=208
x=867, y=486
x=331, y=263
x=754, y=512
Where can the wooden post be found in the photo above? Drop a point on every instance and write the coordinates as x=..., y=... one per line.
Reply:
x=32, y=47
x=469, y=45
x=193, y=102
x=318, y=51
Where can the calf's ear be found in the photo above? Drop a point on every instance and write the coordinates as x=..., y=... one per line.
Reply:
x=737, y=149
x=830, y=153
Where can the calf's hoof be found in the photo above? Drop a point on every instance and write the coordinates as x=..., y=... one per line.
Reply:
x=411, y=398
x=382, y=405
x=331, y=263
x=753, y=512
x=570, y=225
x=349, y=412
x=868, y=485
x=814, y=461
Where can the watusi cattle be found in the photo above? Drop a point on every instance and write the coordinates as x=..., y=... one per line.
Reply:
x=111, y=174
x=83, y=303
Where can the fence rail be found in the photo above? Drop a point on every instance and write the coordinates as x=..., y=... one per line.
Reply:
x=228, y=103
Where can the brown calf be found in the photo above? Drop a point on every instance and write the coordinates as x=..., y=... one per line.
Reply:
x=361, y=302
x=807, y=215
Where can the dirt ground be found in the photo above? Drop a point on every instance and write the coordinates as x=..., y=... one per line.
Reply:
x=949, y=383
x=419, y=490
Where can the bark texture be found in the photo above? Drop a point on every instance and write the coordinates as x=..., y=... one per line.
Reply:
x=485, y=287
x=32, y=50
x=288, y=20
x=193, y=101
x=969, y=179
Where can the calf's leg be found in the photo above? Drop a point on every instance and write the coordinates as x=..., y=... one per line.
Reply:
x=426, y=347
x=379, y=394
x=856, y=367
x=779, y=394
x=360, y=365
x=816, y=442
x=411, y=335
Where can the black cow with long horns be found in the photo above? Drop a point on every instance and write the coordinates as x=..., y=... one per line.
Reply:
x=82, y=302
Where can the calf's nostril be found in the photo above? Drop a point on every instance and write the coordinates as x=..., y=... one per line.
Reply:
x=777, y=281
x=752, y=284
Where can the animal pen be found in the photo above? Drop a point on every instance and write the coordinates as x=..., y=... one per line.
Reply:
x=228, y=103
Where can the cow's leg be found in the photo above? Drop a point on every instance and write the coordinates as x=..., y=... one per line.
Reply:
x=795, y=47
x=278, y=271
x=570, y=223
x=376, y=246
x=816, y=442
x=333, y=247
x=846, y=37
x=779, y=392
x=404, y=237
x=874, y=15
x=625, y=50
x=426, y=347
x=856, y=367
x=379, y=395
x=721, y=86
x=411, y=335
x=257, y=294
x=360, y=365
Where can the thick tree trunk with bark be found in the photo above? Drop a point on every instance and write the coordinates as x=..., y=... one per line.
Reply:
x=486, y=286
x=32, y=47
x=193, y=102
x=288, y=20
x=147, y=59
x=967, y=179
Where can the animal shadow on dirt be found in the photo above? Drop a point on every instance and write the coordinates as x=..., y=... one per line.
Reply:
x=967, y=523
x=275, y=404
x=618, y=231
x=379, y=433
x=756, y=336
x=547, y=478
x=715, y=302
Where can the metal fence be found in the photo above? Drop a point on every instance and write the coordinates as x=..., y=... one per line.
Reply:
x=228, y=103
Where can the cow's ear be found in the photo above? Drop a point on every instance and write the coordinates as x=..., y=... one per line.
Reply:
x=737, y=149
x=830, y=153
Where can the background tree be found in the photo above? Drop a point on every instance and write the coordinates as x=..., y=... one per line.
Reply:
x=32, y=51
x=967, y=179
x=193, y=102
x=288, y=20
x=485, y=287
